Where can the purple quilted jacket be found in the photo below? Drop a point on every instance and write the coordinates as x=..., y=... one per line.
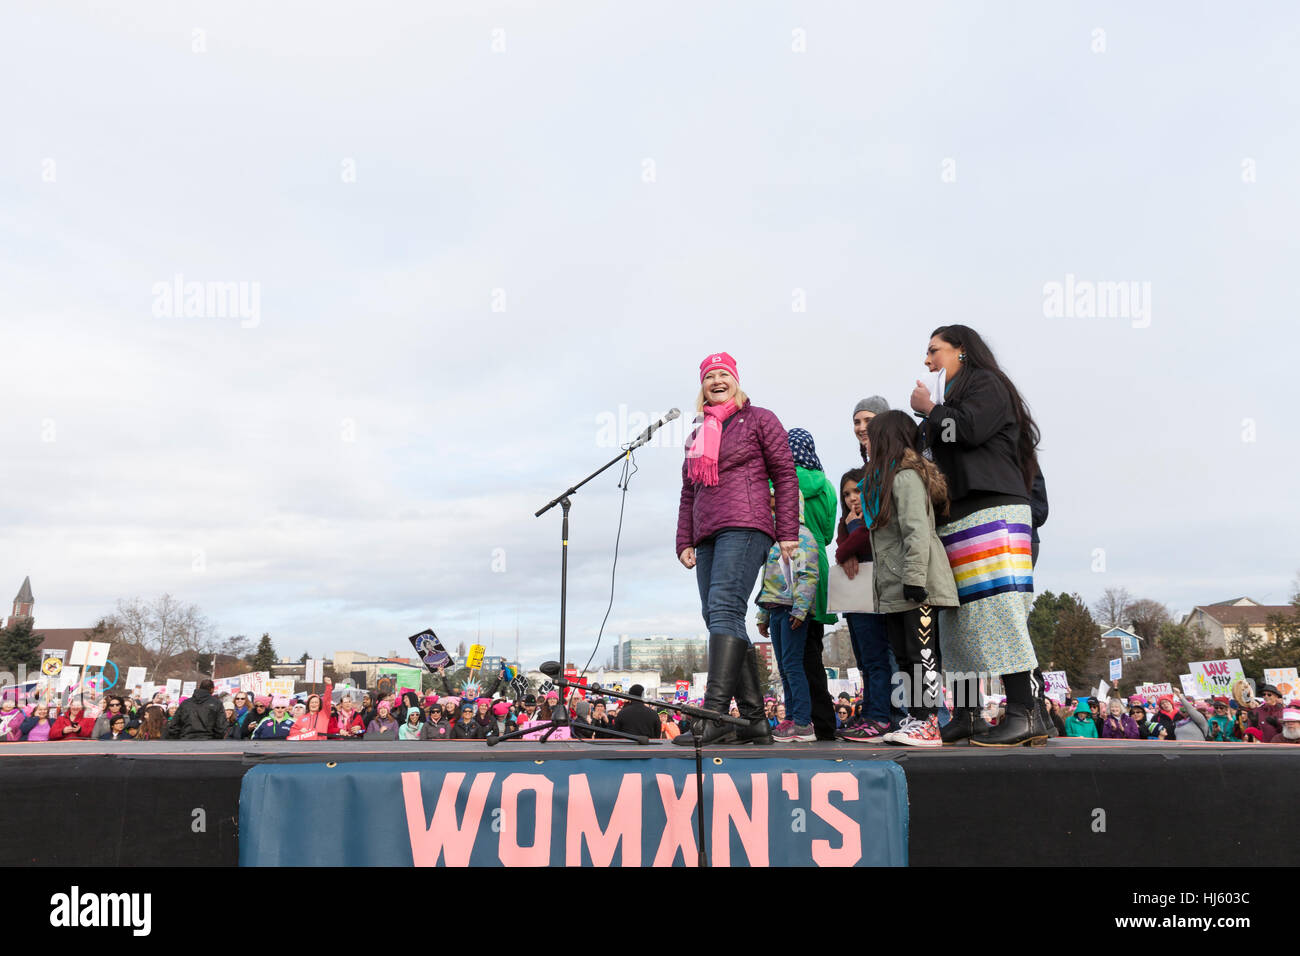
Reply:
x=754, y=449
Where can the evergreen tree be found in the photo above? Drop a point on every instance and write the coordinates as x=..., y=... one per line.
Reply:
x=264, y=658
x=1182, y=644
x=1077, y=643
x=18, y=647
x=1042, y=627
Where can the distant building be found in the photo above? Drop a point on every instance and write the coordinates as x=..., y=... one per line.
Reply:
x=1222, y=620
x=1123, y=643
x=493, y=663
x=659, y=652
x=52, y=638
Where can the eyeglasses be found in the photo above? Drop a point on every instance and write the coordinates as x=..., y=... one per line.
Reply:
x=240, y=697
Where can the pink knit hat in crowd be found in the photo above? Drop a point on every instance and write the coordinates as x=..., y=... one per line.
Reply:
x=501, y=708
x=719, y=360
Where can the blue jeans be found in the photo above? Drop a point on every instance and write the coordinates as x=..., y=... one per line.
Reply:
x=726, y=569
x=875, y=661
x=787, y=646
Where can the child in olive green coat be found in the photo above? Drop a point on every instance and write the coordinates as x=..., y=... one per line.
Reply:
x=901, y=494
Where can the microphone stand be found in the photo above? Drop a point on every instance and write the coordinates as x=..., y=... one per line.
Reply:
x=697, y=739
x=549, y=727
x=563, y=501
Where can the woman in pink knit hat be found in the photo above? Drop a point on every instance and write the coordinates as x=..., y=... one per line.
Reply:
x=725, y=528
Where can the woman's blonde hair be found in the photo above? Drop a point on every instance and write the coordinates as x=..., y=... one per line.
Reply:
x=741, y=398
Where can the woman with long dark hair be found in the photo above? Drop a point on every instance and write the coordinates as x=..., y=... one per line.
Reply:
x=985, y=441
x=725, y=527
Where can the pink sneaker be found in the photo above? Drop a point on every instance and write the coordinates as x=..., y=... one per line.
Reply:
x=917, y=733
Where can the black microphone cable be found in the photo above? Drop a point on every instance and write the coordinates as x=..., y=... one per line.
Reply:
x=629, y=462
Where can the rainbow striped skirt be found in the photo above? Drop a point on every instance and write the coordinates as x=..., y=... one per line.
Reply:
x=989, y=552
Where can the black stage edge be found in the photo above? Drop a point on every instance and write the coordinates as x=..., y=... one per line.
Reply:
x=1072, y=803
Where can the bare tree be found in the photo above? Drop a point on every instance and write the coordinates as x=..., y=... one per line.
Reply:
x=1113, y=608
x=164, y=635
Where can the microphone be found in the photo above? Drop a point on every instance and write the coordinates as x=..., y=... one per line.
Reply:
x=644, y=437
x=550, y=668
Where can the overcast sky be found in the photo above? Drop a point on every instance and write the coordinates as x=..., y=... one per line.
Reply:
x=470, y=230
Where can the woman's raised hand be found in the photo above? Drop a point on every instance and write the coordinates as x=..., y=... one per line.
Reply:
x=921, y=398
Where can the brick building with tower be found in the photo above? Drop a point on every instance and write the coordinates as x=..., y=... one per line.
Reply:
x=52, y=638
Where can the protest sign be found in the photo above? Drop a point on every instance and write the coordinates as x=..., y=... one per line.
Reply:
x=254, y=683
x=279, y=686
x=1285, y=679
x=225, y=685
x=79, y=651
x=69, y=677
x=1153, y=691
x=682, y=689
x=97, y=654
x=313, y=671
x=187, y=688
x=174, y=689
x=412, y=677
x=841, y=685
x=1117, y=669
x=1215, y=678
x=147, y=690
x=52, y=662
x=1057, y=685
x=134, y=677
x=1102, y=690
x=430, y=650
x=475, y=659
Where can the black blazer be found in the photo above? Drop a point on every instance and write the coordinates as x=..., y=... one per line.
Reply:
x=982, y=451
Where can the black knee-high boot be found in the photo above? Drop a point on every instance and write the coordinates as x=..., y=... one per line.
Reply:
x=726, y=661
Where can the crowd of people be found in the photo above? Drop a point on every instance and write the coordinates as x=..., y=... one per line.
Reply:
x=1263, y=720
x=412, y=716
x=355, y=715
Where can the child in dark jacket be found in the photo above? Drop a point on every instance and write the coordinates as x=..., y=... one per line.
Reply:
x=867, y=632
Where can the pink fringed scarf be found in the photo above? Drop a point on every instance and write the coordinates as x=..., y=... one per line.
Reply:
x=702, y=455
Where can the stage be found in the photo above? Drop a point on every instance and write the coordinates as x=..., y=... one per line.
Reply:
x=1071, y=803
